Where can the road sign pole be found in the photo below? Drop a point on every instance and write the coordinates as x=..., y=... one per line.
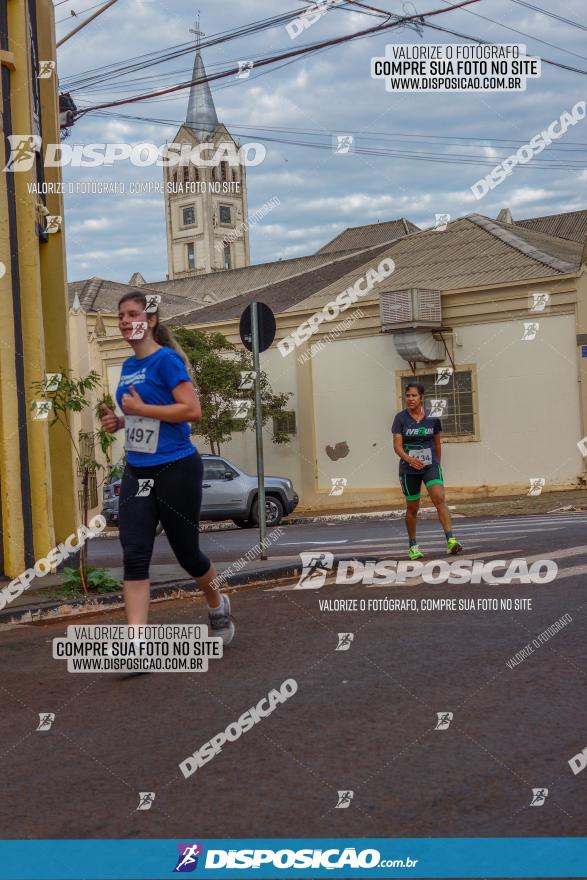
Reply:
x=259, y=431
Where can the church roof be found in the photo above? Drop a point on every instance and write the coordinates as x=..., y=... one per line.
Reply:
x=369, y=235
x=201, y=115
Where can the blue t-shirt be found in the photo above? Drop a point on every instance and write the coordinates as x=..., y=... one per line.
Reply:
x=154, y=378
x=418, y=437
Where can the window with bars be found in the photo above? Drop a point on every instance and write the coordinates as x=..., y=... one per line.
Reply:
x=458, y=413
x=285, y=423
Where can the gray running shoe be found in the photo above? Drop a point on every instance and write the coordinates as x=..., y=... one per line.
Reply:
x=221, y=624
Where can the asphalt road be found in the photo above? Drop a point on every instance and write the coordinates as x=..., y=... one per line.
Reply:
x=362, y=720
x=361, y=536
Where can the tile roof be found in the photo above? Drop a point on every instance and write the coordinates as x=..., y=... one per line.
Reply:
x=100, y=294
x=287, y=293
x=369, y=235
x=571, y=225
x=226, y=283
x=472, y=252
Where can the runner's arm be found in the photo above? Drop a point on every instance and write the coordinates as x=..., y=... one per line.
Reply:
x=437, y=446
x=186, y=408
x=398, y=448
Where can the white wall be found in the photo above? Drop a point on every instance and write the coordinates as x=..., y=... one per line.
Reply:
x=528, y=407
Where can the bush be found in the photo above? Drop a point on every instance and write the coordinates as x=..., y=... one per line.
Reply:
x=99, y=581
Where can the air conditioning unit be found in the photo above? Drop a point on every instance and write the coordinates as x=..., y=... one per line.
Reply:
x=419, y=346
x=410, y=309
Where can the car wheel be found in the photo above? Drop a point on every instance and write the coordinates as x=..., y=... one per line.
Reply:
x=159, y=528
x=243, y=523
x=273, y=511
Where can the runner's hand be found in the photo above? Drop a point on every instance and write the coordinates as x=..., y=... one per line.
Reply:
x=415, y=463
x=132, y=403
x=109, y=419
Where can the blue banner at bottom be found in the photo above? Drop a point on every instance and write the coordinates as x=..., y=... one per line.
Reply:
x=273, y=858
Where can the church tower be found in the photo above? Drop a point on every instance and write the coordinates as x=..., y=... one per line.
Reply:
x=205, y=205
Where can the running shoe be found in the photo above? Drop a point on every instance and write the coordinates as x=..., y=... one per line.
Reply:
x=221, y=624
x=453, y=546
x=415, y=553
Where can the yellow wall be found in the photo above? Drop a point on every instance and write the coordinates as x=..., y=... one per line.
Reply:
x=36, y=469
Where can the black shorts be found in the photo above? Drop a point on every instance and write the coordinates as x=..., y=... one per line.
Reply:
x=411, y=482
x=174, y=498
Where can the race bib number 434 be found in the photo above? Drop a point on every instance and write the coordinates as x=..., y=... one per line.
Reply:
x=140, y=434
x=423, y=455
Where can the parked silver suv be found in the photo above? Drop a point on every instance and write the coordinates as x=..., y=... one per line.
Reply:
x=227, y=493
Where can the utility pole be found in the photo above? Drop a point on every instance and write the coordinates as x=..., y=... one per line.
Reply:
x=84, y=23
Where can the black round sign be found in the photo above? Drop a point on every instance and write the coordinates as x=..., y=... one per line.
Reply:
x=265, y=323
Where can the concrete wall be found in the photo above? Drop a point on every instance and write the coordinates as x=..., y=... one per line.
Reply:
x=38, y=503
x=526, y=405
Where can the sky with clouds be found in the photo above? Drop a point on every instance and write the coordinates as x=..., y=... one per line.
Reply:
x=312, y=99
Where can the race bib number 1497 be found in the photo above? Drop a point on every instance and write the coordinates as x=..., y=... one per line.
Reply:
x=140, y=434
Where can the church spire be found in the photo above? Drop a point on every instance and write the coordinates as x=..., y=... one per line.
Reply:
x=201, y=115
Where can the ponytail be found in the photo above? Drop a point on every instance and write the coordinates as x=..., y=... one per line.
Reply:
x=162, y=335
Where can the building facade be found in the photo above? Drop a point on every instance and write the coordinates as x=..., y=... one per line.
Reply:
x=509, y=332
x=38, y=501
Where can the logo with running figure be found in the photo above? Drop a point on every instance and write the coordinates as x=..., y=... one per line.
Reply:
x=23, y=150
x=187, y=861
x=539, y=796
x=444, y=719
x=315, y=568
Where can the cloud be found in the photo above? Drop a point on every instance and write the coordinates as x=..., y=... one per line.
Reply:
x=416, y=154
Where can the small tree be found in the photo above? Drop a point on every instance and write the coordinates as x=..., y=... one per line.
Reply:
x=60, y=397
x=217, y=365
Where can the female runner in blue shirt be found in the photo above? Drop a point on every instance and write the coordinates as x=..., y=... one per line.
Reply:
x=159, y=401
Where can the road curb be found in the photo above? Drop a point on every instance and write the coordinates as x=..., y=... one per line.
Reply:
x=252, y=578
x=158, y=591
x=222, y=525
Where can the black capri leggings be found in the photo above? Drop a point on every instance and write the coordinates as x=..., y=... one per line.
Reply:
x=174, y=498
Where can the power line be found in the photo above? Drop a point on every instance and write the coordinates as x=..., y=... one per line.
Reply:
x=561, y=18
x=77, y=14
x=438, y=27
x=141, y=62
x=452, y=158
x=524, y=34
x=284, y=55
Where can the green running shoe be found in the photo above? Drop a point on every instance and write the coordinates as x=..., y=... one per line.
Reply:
x=453, y=546
x=415, y=553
